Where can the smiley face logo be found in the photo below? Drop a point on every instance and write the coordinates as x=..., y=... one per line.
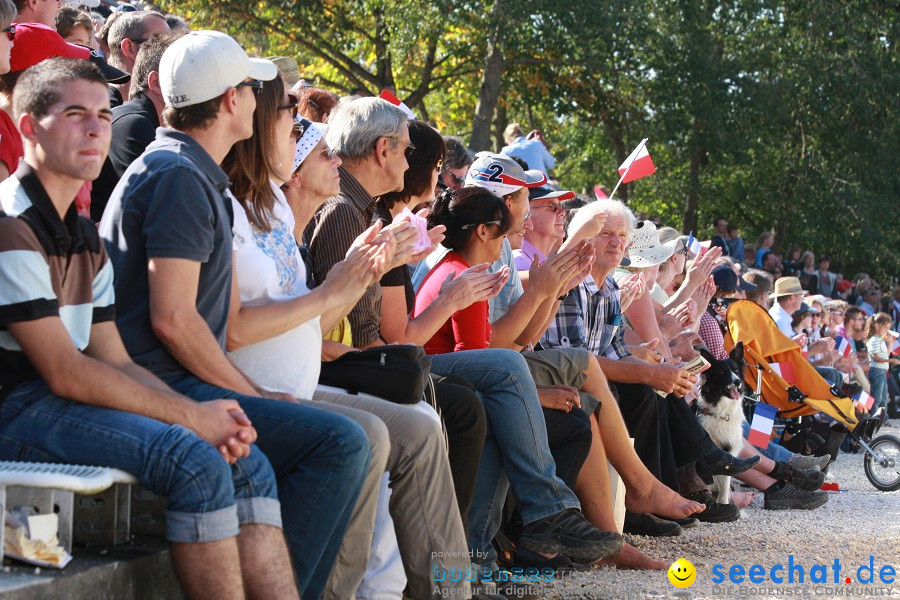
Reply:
x=682, y=573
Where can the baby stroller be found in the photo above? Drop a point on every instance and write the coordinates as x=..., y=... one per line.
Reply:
x=809, y=393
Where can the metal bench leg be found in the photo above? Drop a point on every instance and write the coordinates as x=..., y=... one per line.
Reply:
x=47, y=502
x=2, y=521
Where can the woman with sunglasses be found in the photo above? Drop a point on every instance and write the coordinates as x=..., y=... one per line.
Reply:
x=275, y=326
x=477, y=222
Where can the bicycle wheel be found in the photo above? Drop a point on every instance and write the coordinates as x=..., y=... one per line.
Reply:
x=883, y=470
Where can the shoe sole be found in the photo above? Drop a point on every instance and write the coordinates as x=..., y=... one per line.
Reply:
x=578, y=551
x=721, y=519
x=810, y=505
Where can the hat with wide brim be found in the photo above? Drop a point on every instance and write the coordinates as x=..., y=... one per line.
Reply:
x=645, y=249
x=787, y=286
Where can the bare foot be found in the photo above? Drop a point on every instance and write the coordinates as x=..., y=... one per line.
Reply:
x=742, y=499
x=630, y=557
x=661, y=500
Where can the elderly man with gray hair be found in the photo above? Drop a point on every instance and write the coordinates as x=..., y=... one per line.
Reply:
x=372, y=138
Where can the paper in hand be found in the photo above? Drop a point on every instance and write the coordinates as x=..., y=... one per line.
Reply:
x=423, y=242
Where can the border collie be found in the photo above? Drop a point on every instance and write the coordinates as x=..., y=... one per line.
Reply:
x=720, y=409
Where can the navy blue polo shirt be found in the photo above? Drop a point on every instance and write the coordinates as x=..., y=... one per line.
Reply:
x=172, y=202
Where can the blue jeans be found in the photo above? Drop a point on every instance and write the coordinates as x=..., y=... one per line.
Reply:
x=516, y=452
x=320, y=459
x=773, y=450
x=878, y=383
x=208, y=499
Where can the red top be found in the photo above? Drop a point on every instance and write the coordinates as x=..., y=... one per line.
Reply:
x=467, y=329
x=11, y=148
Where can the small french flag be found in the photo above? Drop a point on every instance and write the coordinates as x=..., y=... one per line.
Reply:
x=864, y=400
x=386, y=95
x=843, y=346
x=761, y=427
x=786, y=371
x=895, y=343
x=694, y=245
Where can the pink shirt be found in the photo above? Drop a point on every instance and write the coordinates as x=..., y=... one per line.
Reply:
x=525, y=255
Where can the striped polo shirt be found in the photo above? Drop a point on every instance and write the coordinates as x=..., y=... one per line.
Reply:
x=48, y=268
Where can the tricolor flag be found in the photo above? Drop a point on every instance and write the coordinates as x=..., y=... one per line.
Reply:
x=694, y=245
x=599, y=193
x=638, y=164
x=761, y=427
x=786, y=371
x=805, y=352
x=386, y=95
x=895, y=343
x=843, y=346
x=864, y=400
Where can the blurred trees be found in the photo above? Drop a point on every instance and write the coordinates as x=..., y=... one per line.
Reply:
x=777, y=114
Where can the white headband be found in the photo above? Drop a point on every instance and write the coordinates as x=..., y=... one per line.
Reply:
x=310, y=134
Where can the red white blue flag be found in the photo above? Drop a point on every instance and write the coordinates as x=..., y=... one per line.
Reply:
x=843, y=346
x=864, y=400
x=786, y=371
x=762, y=424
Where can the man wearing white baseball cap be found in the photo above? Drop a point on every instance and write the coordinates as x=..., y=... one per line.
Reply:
x=168, y=229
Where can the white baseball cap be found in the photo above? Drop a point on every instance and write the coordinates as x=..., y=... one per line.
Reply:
x=202, y=65
x=501, y=175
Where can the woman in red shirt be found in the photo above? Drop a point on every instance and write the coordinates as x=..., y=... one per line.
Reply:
x=477, y=222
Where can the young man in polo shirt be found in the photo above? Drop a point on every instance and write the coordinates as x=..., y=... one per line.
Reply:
x=167, y=228
x=69, y=391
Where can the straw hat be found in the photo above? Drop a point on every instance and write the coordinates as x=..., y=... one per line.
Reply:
x=645, y=250
x=787, y=286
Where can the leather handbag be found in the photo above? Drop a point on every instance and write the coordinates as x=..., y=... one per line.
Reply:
x=398, y=372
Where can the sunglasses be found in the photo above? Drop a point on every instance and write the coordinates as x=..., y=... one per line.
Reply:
x=10, y=31
x=454, y=178
x=291, y=106
x=410, y=147
x=470, y=225
x=554, y=207
x=255, y=84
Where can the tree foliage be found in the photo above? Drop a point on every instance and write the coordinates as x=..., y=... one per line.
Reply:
x=778, y=114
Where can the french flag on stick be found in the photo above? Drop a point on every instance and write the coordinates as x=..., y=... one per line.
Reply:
x=638, y=164
x=843, y=346
x=786, y=371
x=694, y=245
x=895, y=343
x=386, y=95
x=761, y=427
x=864, y=400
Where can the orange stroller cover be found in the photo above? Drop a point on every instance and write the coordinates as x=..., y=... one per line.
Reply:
x=765, y=345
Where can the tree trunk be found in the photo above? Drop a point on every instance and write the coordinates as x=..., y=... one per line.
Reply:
x=489, y=91
x=499, y=126
x=689, y=222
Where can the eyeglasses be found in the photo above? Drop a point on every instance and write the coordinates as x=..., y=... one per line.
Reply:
x=470, y=225
x=10, y=32
x=555, y=207
x=255, y=84
x=291, y=106
x=410, y=147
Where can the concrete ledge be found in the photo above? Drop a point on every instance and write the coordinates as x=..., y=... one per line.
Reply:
x=141, y=570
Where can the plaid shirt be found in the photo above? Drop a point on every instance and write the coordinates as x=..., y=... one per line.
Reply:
x=590, y=317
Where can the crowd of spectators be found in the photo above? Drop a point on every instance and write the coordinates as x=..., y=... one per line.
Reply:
x=188, y=234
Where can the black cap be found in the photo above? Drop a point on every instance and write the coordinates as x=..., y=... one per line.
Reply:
x=727, y=280
x=110, y=73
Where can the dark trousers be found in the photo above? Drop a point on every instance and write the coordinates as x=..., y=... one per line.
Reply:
x=569, y=436
x=666, y=433
x=465, y=421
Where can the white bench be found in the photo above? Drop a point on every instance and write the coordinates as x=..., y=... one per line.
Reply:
x=50, y=488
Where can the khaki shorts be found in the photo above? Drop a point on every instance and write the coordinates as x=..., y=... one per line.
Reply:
x=562, y=366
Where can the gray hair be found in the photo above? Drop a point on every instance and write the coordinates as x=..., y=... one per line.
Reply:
x=8, y=12
x=129, y=26
x=608, y=206
x=355, y=126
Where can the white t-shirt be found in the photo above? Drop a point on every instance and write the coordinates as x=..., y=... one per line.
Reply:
x=269, y=269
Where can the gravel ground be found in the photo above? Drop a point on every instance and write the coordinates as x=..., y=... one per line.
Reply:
x=853, y=526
